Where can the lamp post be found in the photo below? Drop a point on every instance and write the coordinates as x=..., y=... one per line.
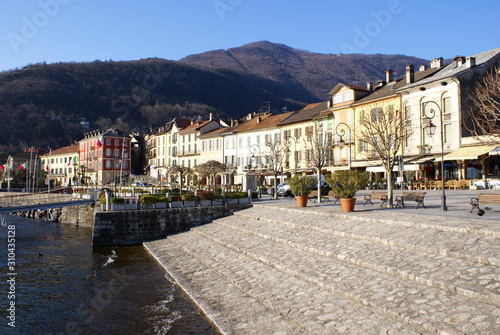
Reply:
x=253, y=160
x=430, y=112
x=341, y=143
x=287, y=145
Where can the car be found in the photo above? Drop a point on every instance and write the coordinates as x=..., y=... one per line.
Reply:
x=283, y=190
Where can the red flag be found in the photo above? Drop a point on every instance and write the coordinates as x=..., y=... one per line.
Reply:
x=23, y=166
x=99, y=142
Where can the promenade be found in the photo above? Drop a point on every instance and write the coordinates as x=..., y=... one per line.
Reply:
x=279, y=269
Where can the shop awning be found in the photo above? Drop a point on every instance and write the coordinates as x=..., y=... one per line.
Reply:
x=407, y=167
x=494, y=152
x=472, y=152
x=365, y=163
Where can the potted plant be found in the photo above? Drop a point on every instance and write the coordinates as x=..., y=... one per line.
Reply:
x=301, y=186
x=345, y=184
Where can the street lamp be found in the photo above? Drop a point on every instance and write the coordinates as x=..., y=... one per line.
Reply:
x=287, y=145
x=430, y=129
x=253, y=160
x=341, y=143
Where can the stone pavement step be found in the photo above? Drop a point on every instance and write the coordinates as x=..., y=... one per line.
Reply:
x=234, y=311
x=388, y=296
x=312, y=309
x=273, y=269
x=429, y=240
x=462, y=277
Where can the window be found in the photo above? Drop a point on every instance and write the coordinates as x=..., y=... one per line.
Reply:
x=108, y=141
x=298, y=133
x=362, y=146
x=108, y=163
x=117, y=142
x=448, y=138
x=447, y=109
x=376, y=114
x=287, y=134
x=107, y=153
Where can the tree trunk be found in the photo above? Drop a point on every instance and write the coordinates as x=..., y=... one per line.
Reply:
x=388, y=172
x=318, y=173
x=275, y=193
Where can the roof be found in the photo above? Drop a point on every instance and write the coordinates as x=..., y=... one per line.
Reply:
x=72, y=149
x=306, y=113
x=453, y=69
x=262, y=122
x=196, y=125
x=216, y=132
x=340, y=85
x=391, y=88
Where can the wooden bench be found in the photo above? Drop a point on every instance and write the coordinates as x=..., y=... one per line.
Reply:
x=314, y=195
x=485, y=198
x=376, y=195
x=418, y=197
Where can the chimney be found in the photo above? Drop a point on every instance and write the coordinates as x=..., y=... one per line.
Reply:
x=470, y=62
x=459, y=60
x=210, y=116
x=410, y=74
x=369, y=86
x=389, y=76
x=422, y=68
x=258, y=119
x=380, y=83
x=437, y=63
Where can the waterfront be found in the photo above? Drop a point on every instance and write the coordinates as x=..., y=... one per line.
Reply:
x=64, y=286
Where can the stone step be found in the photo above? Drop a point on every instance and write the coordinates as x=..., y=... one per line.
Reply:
x=312, y=309
x=234, y=311
x=429, y=310
x=457, y=276
x=468, y=246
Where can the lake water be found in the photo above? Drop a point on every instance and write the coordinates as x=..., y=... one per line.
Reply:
x=64, y=286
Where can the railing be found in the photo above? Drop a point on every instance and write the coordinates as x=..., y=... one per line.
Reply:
x=19, y=199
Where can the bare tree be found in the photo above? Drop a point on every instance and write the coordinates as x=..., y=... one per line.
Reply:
x=319, y=151
x=485, y=113
x=274, y=160
x=211, y=169
x=181, y=171
x=383, y=130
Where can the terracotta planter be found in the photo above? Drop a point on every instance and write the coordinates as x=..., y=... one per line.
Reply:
x=301, y=200
x=348, y=204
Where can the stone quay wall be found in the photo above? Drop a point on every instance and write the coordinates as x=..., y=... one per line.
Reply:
x=78, y=215
x=138, y=226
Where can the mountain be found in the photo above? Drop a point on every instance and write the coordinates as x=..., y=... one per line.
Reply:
x=317, y=73
x=43, y=105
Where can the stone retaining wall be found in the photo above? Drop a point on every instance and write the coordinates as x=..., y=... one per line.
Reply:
x=136, y=227
x=78, y=215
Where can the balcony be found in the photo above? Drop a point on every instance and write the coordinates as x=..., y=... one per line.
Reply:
x=188, y=153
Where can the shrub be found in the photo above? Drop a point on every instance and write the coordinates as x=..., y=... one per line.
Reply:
x=125, y=190
x=189, y=197
x=301, y=185
x=205, y=195
x=117, y=201
x=346, y=183
x=151, y=199
x=235, y=195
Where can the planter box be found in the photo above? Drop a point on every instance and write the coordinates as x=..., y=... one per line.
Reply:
x=189, y=203
x=160, y=205
x=176, y=204
x=117, y=207
x=205, y=203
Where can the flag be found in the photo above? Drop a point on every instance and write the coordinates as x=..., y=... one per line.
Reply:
x=100, y=142
x=2, y=167
x=5, y=166
x=23, y=166
x=47, y=167
x=72, y=161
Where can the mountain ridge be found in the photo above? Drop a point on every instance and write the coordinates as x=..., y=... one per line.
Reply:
x=45, y=103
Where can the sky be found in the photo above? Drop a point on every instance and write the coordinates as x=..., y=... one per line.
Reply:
x=35, y=31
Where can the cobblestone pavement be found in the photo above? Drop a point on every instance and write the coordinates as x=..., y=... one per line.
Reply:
x=278, y=269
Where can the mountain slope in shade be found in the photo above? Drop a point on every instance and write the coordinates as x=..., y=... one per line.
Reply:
x=315, y=72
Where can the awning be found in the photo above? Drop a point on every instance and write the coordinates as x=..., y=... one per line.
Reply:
x=494, y=152
x=407, y=167
x=469, y=152
x=424, y=159
x=365, y=163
